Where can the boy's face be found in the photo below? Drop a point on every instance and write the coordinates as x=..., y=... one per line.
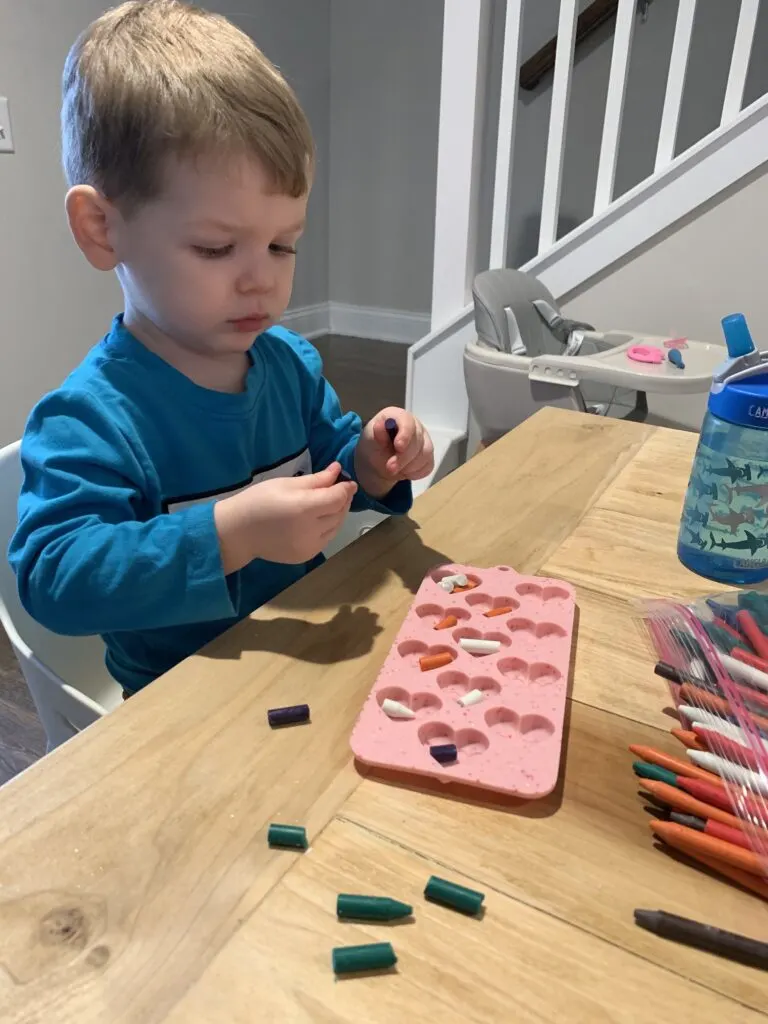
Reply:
x=210, y=262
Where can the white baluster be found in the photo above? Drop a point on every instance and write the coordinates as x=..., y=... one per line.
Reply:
x=614, y=104
x=678, y=63
x=742, y=48
x=558, y=123
x=502, y=183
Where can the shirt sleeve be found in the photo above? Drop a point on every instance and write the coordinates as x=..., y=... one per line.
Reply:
x=333, y=435
x=86, y=556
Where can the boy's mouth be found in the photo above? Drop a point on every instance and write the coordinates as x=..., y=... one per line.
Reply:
x=254, y=322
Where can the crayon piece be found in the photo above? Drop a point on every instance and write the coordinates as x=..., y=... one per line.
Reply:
x=390, y=425
x=679, y=675
x=753, y=632
x=670, y=796
x=743, y=670
x=728, y=945
x=444, y=753
x=288, y=835
x=723, y=638
x=294, y=715
x=673, y=764
x=750, y=659
x=711, y=827
x=376, y=956
x=449, y=894
x=725, y=747
x=447, y=623
x=344, y=477
x=756, y=604
x=654, y=772
x=740, y=641
x=741, y=776
x=716, y=795
x=696, y=696
x=473, y=697
x=723, y=612
x=370, y=908
x=475, y=645
x=688, y=738
x=433, y=661
x=493, y=612
x=745, y=860
x=394, y=709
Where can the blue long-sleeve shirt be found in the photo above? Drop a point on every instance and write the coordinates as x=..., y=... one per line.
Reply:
x=122, y=465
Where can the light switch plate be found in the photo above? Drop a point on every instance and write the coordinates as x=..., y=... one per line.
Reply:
x=6, y=138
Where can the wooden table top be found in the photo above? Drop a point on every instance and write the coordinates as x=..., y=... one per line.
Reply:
x=136, y=883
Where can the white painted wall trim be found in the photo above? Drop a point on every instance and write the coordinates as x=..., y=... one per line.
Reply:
x=358, y=322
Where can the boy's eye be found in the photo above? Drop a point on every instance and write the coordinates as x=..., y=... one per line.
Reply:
x=211, y=252
x=283, y=250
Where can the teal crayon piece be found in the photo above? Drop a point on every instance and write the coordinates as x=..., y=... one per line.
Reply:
x=458, y=897
x=653, y=771
x=288, y=835
x=371, y=908
x=377, y=956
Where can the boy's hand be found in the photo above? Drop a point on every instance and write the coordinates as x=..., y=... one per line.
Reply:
x=288, y=520
x=381, y=462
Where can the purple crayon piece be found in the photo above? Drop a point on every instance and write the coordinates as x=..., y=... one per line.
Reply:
x=344, y=477
x=390, y=426
x=294, y=715
x=444, y=752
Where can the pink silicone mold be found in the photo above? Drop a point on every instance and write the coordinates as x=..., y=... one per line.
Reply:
x=511, y=740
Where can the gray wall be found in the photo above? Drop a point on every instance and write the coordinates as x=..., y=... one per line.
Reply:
x=385, y=98
x=53, y=306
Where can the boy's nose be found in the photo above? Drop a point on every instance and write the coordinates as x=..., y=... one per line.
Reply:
x=256, y=281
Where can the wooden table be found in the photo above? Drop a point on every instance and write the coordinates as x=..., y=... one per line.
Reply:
x=136, y=884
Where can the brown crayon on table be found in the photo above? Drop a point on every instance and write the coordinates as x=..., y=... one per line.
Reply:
x=730, y=945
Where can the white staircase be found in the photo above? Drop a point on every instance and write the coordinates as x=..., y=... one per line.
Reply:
x=475, y=193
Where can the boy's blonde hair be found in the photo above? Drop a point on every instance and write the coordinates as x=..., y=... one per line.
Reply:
x=157, y=78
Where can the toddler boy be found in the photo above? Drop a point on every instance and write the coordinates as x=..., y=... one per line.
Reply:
x=197, y=462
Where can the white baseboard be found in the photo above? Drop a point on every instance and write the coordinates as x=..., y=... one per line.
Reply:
x=357, y=322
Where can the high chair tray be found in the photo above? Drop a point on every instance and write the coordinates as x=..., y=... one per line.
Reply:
x=613, y=365
x=510, y=740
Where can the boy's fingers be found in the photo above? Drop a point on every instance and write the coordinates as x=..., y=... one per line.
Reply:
x=330, y=500
x=324, y=478
x=405, y=429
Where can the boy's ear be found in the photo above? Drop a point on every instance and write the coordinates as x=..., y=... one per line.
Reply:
x=90, y=218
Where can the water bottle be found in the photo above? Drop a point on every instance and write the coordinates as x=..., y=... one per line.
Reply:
x=724, y=526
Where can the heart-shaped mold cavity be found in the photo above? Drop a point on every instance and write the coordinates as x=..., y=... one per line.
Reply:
x=543, y=674
x=453, y=683
x=504, y=721
x=466, y=633
x=430, y=611
x=394, y=693
x=439, y=654
x=504, y=568
x=536, y=728
x=488, y=686
x=411, y=650
x=425, y=703
x=515, y=669
x=529, y=590
x=519, y=625
x=462, y=614
x=476, y=600
x=550, y=630
x=470, y=742
x=555, y=594
x=509, y=604
x=502, y=638
x=434, y=733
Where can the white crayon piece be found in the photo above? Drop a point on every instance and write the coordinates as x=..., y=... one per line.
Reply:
x=473, y=697
x=458, y=579
x=754, y=781
x=747, y=673
x=446, y=585
x=473, y=646
x=708, y=719
x=395, y=709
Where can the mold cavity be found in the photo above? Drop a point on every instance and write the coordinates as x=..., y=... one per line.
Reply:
x=394, y=693
x=503, y=721
x=425, y=703
x=543, y=674
x=521, y=626
x=412, y=650
x=536, y=727
x=506, y=602
x=485, y=683
x=435, y=732
x=503, y=639
x=514, y=668
x=529, y=590
x=555, y=594
x=460, y=613
x=549, y=629
x=453, y=683
x=466, y=633
x=430, y=611
x=445, y=655
x=470, y=742
x=478, y=600
x=503, y=568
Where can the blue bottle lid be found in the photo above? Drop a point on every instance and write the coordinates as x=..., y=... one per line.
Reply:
x=739, y=392
x=738, y=340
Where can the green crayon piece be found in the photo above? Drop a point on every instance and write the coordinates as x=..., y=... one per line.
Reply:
x=288, y=835
x=722, y=638
x=370, y=908
x=449, y=894
x=653, y=771
x=377, y=956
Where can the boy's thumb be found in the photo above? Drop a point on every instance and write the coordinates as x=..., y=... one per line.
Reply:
x=324, y=478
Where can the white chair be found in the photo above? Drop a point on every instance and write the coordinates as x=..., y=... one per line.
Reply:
x=66, y=675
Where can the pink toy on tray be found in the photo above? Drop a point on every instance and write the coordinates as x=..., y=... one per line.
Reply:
x=474, y=687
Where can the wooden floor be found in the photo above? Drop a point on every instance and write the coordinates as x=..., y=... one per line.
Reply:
x=368, y=375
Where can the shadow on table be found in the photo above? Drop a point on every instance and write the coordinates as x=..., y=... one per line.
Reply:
x=541, y=808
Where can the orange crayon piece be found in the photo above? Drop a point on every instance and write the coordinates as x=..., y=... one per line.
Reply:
x=686, y=839
x=682, y=801
x=752, y=632
x=674, y=764
x=432, y=661
x=688, y=739
x=743, y=878
x=749, y=659
x=447, y=622
x=493, y=612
